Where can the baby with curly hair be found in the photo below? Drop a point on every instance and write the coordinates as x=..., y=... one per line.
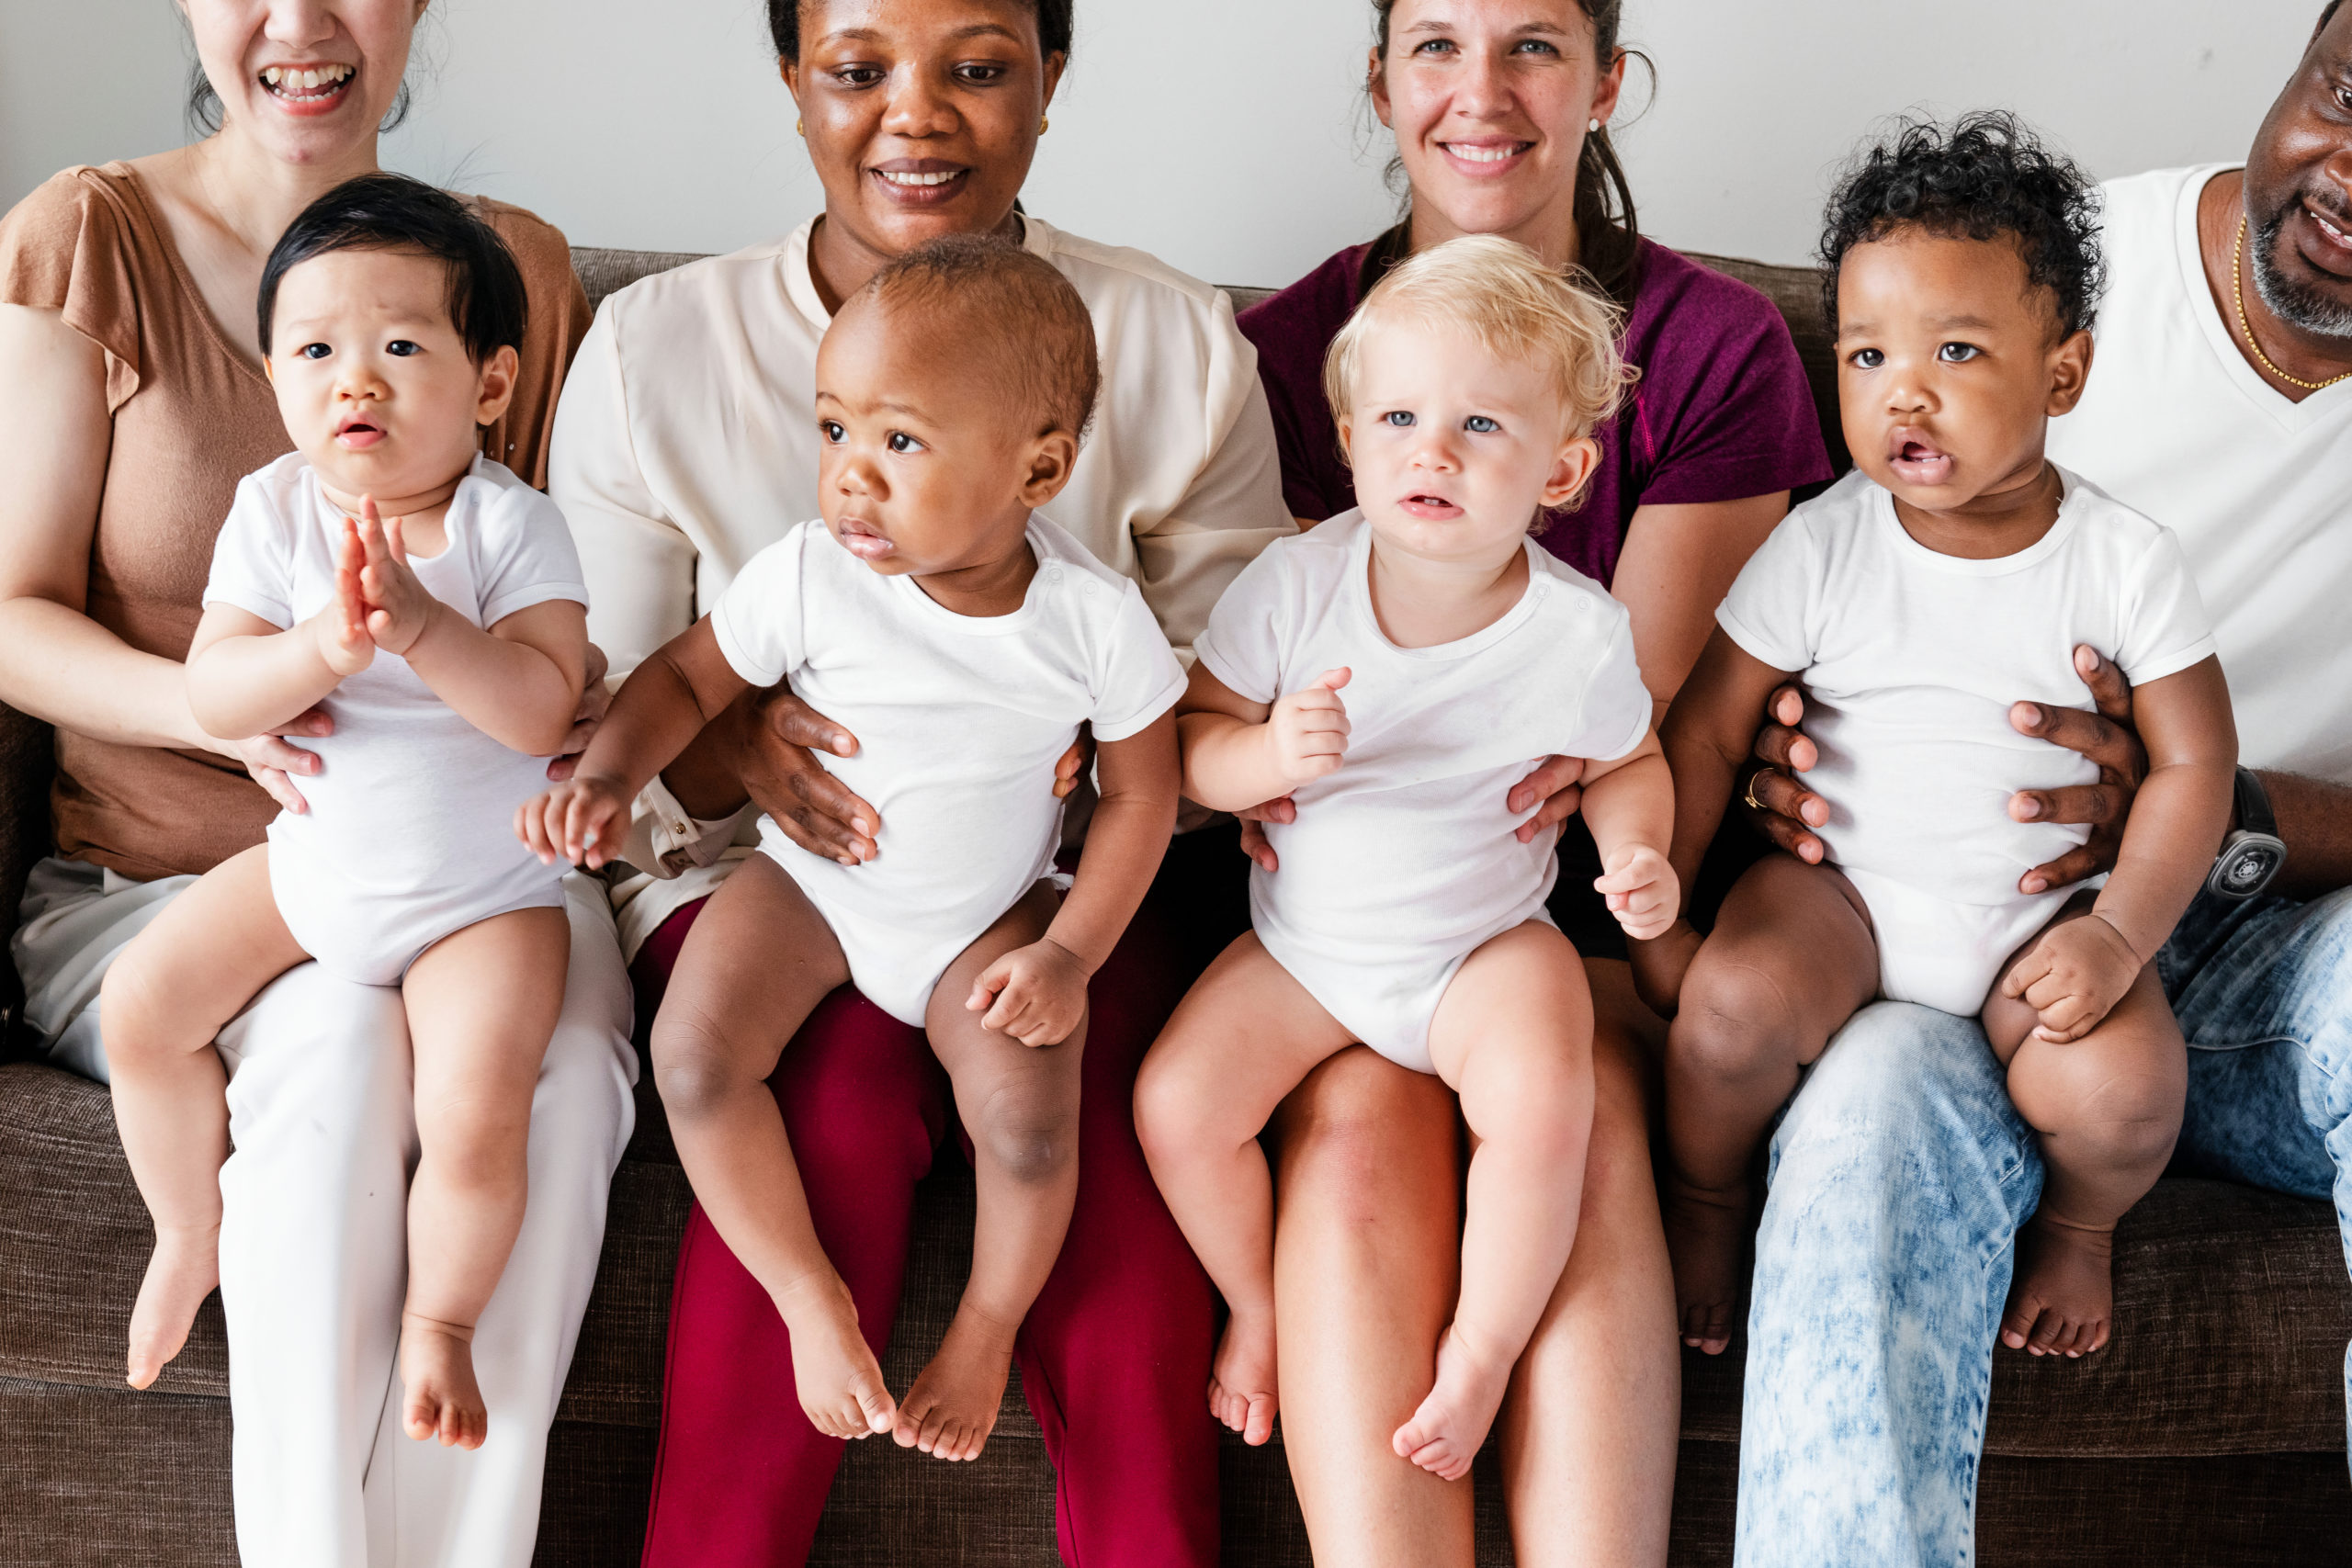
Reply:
x=1957, y=569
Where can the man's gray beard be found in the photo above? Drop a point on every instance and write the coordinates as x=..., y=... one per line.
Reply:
x=2303, y=308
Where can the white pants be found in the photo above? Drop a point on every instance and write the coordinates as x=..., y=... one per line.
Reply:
x=313, y=1238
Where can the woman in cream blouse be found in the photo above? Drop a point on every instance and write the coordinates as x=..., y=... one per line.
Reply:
x=684, y=443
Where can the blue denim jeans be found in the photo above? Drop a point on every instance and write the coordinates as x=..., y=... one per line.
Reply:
x=1899, y=1175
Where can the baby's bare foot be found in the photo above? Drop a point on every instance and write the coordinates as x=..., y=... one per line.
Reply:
x=951, y=1408
x=181, y=1271
x=1443, y=1436
x=2063, y=1301
x=1241, y=1380
x=443, y=1400
x=1707, y=1233
x=833, y=1369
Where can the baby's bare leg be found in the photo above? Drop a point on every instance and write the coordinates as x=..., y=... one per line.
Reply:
x=760, y=960
x=193, y=969
x=1244, y=1036
x=2107, y=1108
x=482, y=1005
x=1018, y=1105
x=1513, y=1037
x=1792, y=958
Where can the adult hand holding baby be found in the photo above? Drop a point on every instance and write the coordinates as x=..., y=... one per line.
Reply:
x=1787, y=814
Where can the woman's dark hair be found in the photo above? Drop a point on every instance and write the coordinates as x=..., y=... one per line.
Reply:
x=1985, y=177
x=488, y=304
x=784, y=25
x=1606, y=227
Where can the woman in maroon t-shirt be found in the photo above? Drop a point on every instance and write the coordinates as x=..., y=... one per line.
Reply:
x=1498, y=107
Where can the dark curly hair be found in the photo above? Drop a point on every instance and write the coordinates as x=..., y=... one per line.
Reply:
x=784, y=26
x=1983, y=178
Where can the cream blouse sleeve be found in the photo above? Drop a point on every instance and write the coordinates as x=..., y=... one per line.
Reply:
x=638, y=564
x=1233, y=508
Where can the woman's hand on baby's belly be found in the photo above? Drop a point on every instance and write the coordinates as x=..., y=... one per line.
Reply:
x=2107, y=739
x=1556, y=782
x=785, y=780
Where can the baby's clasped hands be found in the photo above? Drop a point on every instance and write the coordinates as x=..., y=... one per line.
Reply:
x=581, y=821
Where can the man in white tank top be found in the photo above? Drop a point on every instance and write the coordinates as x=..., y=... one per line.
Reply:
x=2221, y=403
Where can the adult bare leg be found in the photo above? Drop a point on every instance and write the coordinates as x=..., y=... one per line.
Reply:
x=1367, y=1255
x=1592, y=1425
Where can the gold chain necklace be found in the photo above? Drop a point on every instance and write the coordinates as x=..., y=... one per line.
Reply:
x=2237, y=298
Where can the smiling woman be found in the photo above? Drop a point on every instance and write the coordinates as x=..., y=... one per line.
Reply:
x=688, y=442
x=132, y=399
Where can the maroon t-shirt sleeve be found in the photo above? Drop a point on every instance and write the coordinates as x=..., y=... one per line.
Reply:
x=1293, y=332
x=1723, y=409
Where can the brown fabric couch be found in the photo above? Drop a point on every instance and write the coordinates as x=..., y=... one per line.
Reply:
x=2212, y=1432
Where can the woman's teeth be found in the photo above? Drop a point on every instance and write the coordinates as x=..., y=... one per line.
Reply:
x=1486, y=155
x=919, y=181
x=293, y=83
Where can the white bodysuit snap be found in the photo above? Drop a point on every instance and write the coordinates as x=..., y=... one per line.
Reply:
x=1911, y=660
x=1403, y=862
x=410, y=834
x=959, y=721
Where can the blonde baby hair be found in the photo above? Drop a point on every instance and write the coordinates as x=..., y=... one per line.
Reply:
x=1505, y=296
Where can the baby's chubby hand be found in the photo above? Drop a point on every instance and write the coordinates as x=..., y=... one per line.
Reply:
x=2074, y=977
x=1306, y=733
x=581, y=822
x=1037, y=994
x=399, y=606
x=341, y=627
x=1642, y=888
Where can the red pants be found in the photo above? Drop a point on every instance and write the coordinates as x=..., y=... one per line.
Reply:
x=1115, y=1356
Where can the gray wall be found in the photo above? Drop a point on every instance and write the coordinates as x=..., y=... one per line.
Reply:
x=1224, y=135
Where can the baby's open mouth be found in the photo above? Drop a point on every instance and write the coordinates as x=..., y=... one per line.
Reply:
x=308, y=86
x=358, y=432
x=861, y=540
x=1920, y=463
x=1429, y=507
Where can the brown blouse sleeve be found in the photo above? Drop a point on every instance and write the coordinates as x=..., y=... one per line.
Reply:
x=66, y=248
x=559, y=320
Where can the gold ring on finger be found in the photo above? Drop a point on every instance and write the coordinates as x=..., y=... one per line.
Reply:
x=1749, y=796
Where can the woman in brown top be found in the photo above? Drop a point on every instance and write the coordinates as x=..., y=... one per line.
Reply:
x=132, y=400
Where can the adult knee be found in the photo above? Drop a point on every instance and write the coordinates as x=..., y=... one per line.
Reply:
x=1734, y=1020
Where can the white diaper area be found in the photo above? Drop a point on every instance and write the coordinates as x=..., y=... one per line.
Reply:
x=1943, y=953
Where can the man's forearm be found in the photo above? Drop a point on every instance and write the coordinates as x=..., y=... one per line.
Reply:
x=2315, y=820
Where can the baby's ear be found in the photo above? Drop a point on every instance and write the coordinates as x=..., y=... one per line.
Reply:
x=2070, y=371
x=1051, y=457
x=495, y=385
x=1571, y=470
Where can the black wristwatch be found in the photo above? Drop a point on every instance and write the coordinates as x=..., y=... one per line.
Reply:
x=2252, y=852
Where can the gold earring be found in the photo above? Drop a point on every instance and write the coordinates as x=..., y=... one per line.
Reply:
x=800, y=129
x=1044, y=125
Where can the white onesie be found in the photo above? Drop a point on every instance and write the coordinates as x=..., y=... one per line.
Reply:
x=1403, y=862
x=1912, y=661
x=959, y=721
x=410, y=832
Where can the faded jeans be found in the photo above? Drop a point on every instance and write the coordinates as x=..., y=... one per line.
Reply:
x=1899, y=1175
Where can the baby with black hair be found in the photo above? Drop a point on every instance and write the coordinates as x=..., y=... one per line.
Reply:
x=431, y=604
x=1955, y=571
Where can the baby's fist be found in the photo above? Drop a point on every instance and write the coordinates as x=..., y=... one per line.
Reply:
x=1037, y=994
x=581, y=822
x=2074, y=977
x=1308, y=729
x=1641, y=889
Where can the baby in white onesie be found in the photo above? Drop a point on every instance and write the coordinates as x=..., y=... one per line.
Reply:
x=1954, y=579
x=965, y=640
x=429, y=602
x=1396, y=671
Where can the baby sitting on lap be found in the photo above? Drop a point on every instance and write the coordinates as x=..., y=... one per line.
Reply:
x=965, y=640
x=445, y=633
x=1956, y=570
x=1396, y=671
